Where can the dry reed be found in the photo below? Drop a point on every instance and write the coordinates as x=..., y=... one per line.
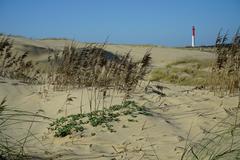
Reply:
x=225, y=77
x=16, y=66
x=92, y=66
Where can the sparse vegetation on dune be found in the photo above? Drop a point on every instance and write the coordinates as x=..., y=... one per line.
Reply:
x=222, y=76
x=99, y=71
x=184, y=72
x=196, y=63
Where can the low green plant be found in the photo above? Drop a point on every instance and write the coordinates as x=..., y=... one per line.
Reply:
x=76, y=123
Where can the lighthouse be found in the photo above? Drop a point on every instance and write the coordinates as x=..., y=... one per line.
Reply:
x=193, y=36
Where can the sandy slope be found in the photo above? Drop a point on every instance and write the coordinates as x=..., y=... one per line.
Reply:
x=161, y=136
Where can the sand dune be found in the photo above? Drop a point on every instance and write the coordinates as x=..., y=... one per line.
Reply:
x=160, y=55
x=160, y=136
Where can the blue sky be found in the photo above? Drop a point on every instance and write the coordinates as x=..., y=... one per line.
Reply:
x=163, y=22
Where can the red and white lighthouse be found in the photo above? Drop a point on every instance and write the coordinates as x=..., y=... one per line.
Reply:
x=193, y=36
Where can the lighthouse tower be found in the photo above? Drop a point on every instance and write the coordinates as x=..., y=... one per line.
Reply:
x=193, y=36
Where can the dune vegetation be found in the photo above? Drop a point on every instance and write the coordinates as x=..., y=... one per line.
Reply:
x=183, y=72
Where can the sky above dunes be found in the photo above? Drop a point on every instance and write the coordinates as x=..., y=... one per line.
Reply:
x=161, y=22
